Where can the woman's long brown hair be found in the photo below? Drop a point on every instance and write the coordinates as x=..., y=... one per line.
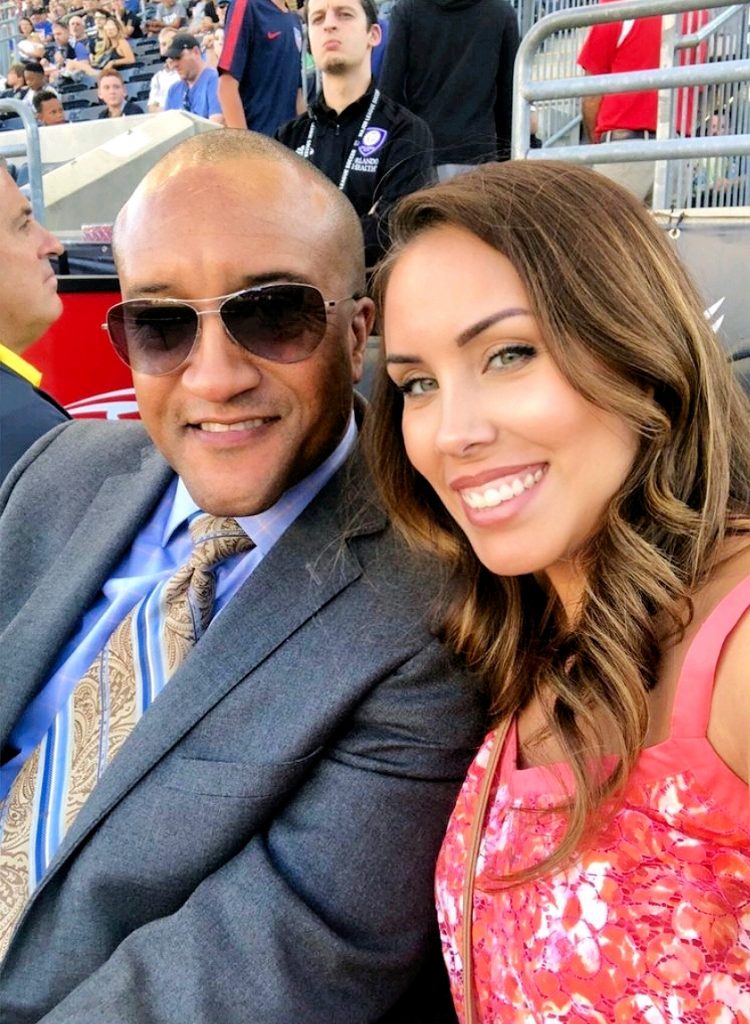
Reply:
x=625, y=326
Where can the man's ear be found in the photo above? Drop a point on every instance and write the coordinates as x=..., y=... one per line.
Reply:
x=376, y=35
x=361, y=324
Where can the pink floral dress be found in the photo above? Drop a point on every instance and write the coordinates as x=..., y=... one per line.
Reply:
x=651, y=925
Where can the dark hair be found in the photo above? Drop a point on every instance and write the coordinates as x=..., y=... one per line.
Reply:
x=368, y=6
x=625, y=326
x=42, y=97
x=34, y=66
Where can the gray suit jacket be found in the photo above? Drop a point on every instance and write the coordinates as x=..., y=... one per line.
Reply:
x=261, y=851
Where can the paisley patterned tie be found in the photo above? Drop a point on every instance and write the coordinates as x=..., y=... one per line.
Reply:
x=141, y=654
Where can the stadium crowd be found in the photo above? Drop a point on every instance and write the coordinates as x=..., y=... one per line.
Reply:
x=242, y=65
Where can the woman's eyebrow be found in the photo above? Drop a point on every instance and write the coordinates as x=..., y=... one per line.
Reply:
x=487, y=321
x=469, y=332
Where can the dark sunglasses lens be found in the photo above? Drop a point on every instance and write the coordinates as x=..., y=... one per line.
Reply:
x=283, y=323
x=151, y=338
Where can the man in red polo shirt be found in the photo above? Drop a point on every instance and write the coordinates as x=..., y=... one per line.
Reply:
x=618, y=47
x=623, y=46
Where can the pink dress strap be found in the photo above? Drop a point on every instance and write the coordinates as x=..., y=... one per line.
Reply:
x=695, y=686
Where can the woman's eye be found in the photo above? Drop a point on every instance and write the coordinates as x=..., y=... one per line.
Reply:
x=417, y=386
x=511, y=355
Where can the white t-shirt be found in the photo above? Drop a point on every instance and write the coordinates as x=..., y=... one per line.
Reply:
x=160, y=85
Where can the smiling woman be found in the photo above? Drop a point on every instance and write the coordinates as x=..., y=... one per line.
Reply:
x=556, y=419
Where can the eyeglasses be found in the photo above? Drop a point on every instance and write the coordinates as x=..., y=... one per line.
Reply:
x=281, y=322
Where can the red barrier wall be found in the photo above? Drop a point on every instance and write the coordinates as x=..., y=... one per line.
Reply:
x=76, y=358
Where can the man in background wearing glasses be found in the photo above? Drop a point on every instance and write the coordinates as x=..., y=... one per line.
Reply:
x=224, y=784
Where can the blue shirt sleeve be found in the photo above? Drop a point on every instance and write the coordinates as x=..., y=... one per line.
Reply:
x=174, y=96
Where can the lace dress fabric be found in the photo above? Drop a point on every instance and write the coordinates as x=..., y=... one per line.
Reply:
x=649, y=926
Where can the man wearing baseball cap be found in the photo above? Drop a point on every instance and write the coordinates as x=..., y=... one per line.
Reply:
x=196, y=90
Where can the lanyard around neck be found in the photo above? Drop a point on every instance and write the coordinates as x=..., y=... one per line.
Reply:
x=353, y=152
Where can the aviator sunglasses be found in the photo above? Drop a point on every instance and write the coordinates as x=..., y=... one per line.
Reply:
x=281, y=322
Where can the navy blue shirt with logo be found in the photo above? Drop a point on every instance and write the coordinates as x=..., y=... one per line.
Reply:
x=393, y=157
x=262, y=52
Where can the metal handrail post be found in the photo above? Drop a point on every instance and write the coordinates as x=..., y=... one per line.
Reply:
x=664, y=108
x=32, y=150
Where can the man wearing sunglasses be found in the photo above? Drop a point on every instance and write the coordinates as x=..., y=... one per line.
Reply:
x=234, y=778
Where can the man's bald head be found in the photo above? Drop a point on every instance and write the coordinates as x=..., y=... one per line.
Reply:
x=311, y=195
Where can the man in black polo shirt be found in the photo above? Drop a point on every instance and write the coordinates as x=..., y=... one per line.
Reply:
x=374, y=149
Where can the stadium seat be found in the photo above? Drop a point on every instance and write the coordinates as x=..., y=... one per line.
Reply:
x=84, y=114
x=76, y=104
x=66, y=87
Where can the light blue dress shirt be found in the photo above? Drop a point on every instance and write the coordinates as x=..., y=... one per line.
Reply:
x=157, y=552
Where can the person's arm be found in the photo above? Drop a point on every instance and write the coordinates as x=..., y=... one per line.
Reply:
x=231, y=104
x=328, y=914
x=125, y=57
x=84, y=66
x=504, y=86
x=589, y=113
x=596, y=56
x=235, y=54
x=406, y=166
x=215, y=112
x=153, y=104
x=392, y=79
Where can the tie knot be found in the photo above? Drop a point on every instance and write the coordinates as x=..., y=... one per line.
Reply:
x=216, y=538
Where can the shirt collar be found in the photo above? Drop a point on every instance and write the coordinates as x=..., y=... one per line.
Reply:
x=322, y=112
x=266, y=527
x=14, y=362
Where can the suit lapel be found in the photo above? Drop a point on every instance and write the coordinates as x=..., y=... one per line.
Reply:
x=85, y=561
x=309, y=565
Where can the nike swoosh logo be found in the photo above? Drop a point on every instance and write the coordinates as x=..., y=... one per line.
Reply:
x=272, y=35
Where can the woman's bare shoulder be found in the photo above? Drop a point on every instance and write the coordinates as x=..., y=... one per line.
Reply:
x=729, y=724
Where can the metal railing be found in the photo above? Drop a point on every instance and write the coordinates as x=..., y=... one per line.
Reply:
x=30, y=149
x=710, y=75
x=718, y=83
